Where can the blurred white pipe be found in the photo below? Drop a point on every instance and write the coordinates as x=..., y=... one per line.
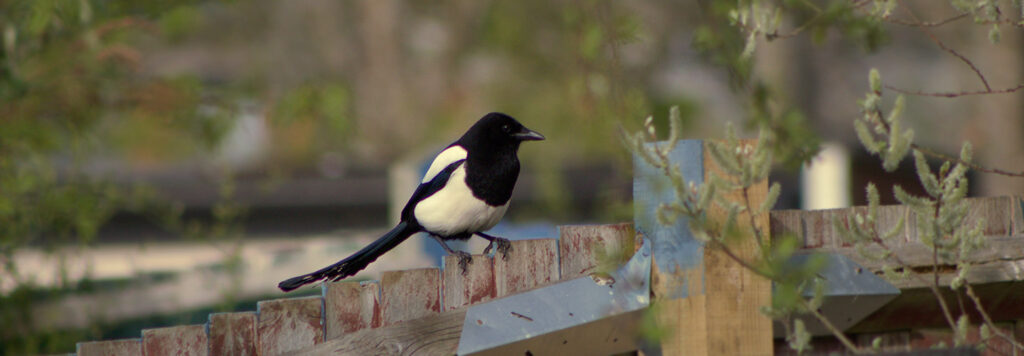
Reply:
x=826, y=180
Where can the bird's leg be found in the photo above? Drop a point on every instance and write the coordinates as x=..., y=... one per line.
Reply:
x=504, y=246
x=464, y=257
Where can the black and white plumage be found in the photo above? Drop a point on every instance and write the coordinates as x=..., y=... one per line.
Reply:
x=465, y=191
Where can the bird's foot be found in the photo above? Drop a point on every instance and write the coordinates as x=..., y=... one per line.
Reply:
x=504, y=246
x=464, y=260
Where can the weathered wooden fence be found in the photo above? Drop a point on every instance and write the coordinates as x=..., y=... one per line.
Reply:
x=708, y=303
x=285, y=325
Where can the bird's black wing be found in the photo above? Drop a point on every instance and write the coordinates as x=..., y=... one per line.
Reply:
x=429, y=188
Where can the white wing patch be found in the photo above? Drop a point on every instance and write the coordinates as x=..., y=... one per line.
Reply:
x=454, y=209
x=443, y=159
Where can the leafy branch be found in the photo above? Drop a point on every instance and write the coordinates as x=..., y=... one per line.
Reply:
x=940, y=216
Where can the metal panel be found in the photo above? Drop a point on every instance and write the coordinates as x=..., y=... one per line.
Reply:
x=674, y=245
x=595, y=312
x=852, y=293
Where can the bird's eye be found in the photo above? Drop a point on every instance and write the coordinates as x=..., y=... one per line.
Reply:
x=505, y=128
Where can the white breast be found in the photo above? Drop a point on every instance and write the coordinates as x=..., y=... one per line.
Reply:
x=454, y=209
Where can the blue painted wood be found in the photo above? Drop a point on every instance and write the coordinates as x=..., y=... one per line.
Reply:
x=673, y=247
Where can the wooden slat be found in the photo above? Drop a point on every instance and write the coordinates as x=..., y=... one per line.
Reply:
x=181, y=340
x=350, y=307
x=123, y=347
x=436, y=334
x=289, y=324
x=997, y=213
x=233, y=333
x=1001, y=259
x=530, y=264
x=787, y=222
x=583, y=249
x=889, y=216
x=734, y=295
x=818, y=228
x=474, y=286
x=410, y=294
x=1017, y=207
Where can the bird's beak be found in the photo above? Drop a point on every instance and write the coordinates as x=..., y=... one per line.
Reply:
x=528, y=135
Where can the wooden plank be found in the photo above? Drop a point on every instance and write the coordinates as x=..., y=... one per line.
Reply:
x=1001, y=259
x=474, y=286
x=122, y=347
x=818, y=228
x=289, y=324
x=787, y=222
x=180, y=340
x=734, y=295
x=997, y=213
x=889, y=216
x=350, y=306
x=233, y=333
x=530, y=264
x=436, y=334
x=583, y=249
x=1017, y=207
x=410, y=294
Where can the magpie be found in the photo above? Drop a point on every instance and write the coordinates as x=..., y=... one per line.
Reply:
x=465, y=192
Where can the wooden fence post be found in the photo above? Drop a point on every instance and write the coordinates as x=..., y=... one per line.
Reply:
x=708, y=302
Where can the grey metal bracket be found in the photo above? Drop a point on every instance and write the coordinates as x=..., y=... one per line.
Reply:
x=596, y=314
x=852, y=293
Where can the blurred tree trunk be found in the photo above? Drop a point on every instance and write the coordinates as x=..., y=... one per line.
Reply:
x=999, y=118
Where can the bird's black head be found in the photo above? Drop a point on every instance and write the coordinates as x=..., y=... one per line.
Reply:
x=496, y=130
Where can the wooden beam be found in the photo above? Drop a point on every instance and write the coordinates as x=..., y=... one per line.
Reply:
x=710, y=303
x=432, y=335
x=735, y=294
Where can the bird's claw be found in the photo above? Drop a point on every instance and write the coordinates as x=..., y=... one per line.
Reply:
x=464, y=260
x=504, y=246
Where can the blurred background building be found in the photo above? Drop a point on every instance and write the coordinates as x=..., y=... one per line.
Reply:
x=201, y=151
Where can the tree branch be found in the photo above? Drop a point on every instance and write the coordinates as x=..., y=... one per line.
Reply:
x=988, y=320
x=959, y=94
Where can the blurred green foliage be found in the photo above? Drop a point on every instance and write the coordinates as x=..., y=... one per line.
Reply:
x=71, y=91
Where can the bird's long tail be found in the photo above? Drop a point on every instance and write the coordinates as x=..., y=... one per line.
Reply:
x=356, y=262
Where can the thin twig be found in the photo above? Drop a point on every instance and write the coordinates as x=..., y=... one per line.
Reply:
x=750, y=215
x=973, y=166
x=925, y=24
x=951, y=51
x=988, y=319
x=935, y=270
x=835, y=331
x=955, y=95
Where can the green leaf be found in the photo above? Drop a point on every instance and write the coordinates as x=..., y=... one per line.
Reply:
x=875, y=80
x=801, y=339
x=866, y=138
x=770, y=198
x=925, y=175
